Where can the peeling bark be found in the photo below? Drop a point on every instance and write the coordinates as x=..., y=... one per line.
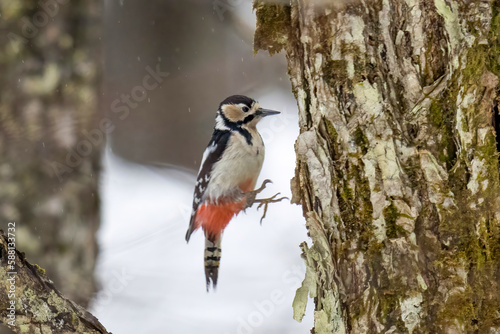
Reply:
x=397, y=163
x=39, y=306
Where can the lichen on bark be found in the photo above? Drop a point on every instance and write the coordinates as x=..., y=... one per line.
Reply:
x=29, y=302
x=276, y=19
x=397, y=163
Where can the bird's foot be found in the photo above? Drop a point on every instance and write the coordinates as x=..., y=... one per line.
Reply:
x=265, y=202
x=250, y=196
x=251, y=200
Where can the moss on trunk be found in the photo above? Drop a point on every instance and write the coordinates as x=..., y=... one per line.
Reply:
x=397, y=162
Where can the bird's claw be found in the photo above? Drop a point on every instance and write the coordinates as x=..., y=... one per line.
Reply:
x=265, y=202
x=250, y=196
x=263, y=186
x=251, y=200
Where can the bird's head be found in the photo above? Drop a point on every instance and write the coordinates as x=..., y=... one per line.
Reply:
x=240, y=111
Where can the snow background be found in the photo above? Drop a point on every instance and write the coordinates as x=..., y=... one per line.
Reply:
x=152, y=281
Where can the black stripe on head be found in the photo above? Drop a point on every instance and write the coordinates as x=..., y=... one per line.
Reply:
x=237, y=99
x=246, y=120
x=236, y=126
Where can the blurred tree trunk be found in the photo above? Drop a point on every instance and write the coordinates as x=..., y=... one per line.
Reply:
x=397, y=162
x=51, y=136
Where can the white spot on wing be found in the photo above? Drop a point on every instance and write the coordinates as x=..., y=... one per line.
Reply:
x=207, y=152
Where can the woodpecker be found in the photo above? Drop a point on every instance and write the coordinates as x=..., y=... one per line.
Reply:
x=227, y=176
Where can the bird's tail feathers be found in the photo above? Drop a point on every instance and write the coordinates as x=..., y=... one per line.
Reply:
x=193, y=226
x=212, y=260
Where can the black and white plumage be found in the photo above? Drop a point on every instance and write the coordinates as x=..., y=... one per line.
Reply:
x=229, y=169
x=212, y=154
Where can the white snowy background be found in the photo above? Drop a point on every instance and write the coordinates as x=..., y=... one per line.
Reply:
x=153, y=282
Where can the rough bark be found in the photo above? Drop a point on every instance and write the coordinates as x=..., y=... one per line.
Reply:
x=397, y=163
x=49, y=69
x=36, y=306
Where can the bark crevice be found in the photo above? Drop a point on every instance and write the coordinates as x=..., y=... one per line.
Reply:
x=397, y=162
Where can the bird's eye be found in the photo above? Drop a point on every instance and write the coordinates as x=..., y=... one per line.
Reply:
x=245, y=109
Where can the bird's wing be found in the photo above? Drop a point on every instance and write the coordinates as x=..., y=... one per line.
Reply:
x=212, y=154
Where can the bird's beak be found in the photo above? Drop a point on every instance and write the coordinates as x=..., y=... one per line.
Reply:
x=266, y=112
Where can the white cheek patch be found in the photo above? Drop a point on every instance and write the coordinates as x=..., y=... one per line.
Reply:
x=219, y=123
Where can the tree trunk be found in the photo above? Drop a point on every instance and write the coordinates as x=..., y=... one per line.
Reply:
x=29, y=302
x=397, y=163
x=51, y=137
